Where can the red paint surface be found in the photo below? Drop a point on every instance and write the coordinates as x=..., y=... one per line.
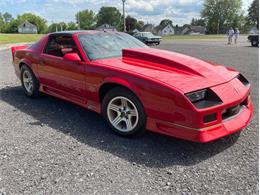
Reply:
x=158, y=78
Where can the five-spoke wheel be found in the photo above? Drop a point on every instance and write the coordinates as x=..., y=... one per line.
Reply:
x=29, y=82
x=124, y=112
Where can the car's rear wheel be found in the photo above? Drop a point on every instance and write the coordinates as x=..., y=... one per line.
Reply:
x=124, y=112
x=254, y=43
x=29, y=82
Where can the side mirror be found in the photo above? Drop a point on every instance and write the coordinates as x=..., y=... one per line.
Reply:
x=74, y=57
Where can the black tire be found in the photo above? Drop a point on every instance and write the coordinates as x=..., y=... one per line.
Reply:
x=232, y=138
x=254, y=43
x=122, y=92
x=35, y=83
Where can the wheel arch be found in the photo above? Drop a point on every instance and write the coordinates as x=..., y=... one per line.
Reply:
x=25, y=62
x=112, y=83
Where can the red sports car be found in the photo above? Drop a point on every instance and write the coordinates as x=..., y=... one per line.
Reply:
x=136, y=87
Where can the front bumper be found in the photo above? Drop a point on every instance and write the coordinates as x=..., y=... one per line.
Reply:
x=207, y=134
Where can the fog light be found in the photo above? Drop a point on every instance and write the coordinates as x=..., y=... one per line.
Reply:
x=210, y=118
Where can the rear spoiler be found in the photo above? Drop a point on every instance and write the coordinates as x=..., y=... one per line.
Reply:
x=15, y=48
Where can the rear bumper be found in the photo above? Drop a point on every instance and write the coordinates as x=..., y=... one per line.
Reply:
x=207, y=134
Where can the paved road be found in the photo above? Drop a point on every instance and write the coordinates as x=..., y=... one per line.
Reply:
x=48, y=146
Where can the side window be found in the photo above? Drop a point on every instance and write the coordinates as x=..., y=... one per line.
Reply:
x=60, y=45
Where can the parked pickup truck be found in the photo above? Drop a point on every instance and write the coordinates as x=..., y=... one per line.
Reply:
x=254, y=39
x=148, y=38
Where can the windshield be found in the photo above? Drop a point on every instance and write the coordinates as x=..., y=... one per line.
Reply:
x=107, y=44
x=148, y=34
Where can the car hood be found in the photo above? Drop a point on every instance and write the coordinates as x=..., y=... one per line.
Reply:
x=156, y=37
x=174, y=69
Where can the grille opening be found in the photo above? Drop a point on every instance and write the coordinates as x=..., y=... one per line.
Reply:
x=210, y=117
x=243, y=80
x=229, y=112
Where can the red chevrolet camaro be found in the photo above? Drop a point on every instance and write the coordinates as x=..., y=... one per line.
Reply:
x=136, y=87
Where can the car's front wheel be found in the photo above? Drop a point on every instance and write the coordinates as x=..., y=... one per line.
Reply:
x=124, y=112
x=30, y=83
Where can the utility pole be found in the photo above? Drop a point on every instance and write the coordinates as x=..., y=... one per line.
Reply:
x=78, y=21
x=124, y=14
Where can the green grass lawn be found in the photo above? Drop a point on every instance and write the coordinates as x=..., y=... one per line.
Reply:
x=18, y=38
x=197, y=37
x=193, y=37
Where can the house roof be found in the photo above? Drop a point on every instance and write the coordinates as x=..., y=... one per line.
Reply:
x=161, y=27
x=106, y=26
x=147, y=27
x=27, y=23
x=198, y=29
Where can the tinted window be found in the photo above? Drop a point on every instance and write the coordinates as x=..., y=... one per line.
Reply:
x=60, y=45
x=107, y=44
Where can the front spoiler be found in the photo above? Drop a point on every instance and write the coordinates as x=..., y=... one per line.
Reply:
x=211, y=133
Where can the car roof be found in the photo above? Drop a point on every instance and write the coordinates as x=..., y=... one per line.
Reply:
x=72, y=32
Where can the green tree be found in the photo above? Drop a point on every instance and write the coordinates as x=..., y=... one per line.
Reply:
x=253, y=14
x=72, y=26
x=34, y=19
x=165, y=22
x=220, y=15
x=62, y=26
x=140, y=24
x=12, y=27
x=2, y=23
x=87, y=19
x=131, y=23
x=7, y=17
x=197, y=22
x=52, y=28
x=111, y=16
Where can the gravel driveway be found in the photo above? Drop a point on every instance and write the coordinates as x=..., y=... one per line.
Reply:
x=48, y=146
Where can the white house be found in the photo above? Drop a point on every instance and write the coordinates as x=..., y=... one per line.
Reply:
x=164, y=30
x=27, y=28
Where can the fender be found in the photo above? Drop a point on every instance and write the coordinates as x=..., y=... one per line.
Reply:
x=123, y=82
x=33, y=67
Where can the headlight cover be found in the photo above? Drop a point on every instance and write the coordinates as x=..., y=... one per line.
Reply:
x=197, y=95
x=243, y=80
x=203, y=98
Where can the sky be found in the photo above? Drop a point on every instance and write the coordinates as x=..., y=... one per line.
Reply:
x=150, y=11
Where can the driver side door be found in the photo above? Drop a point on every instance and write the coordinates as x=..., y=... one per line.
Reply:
x=59, y=76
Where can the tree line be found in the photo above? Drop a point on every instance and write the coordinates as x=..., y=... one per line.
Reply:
x=85, y=20
x=217, y=16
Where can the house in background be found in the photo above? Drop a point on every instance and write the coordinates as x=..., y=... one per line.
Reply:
x=147, y=28
x=178, y=30
x=194, y=30
x=164, y=30
x=27, y=28
x=106, y=27
x=135, y=31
